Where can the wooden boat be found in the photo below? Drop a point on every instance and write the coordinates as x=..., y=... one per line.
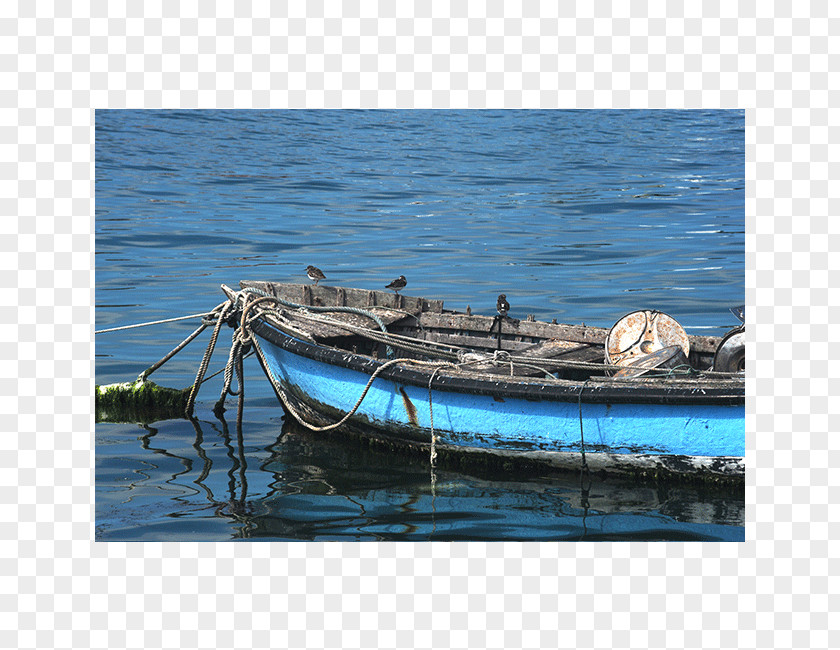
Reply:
x=491, y=389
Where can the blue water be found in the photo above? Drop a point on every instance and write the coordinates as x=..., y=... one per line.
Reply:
x=582, y=216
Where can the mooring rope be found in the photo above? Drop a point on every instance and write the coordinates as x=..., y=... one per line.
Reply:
x=224, y=368
x=358, y=403
x=238, y=345
x=243, y=335
x=240, y=403
x=205, y=362
x=158, y=322
x=315, y=308
x=433, y=451
x=442, y=355
x=148, y=371
x=424, y=347
x=388, y=338
x=432, y=448
x=446, y=351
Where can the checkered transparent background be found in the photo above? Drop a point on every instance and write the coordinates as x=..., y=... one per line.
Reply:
x=63, y=590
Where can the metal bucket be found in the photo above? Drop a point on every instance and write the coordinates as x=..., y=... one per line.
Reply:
x=641, y=333
x=731, y=353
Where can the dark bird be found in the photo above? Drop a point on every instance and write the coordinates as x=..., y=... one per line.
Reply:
x=397, y=284
x=315, y=273
x=502, y=305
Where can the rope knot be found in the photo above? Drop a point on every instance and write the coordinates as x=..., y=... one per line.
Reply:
x=500, y=357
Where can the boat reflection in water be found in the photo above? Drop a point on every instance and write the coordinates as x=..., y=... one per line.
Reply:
x=313, y=486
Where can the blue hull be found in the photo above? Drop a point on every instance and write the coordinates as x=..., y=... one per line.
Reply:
x=690, y=436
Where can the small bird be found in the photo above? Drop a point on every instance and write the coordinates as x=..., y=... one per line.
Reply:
x=502, y=305
x=315, y=273
x=397, y=284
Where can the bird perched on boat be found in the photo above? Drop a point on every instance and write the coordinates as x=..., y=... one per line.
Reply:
x=502, y=305
x=315, y=273
x=397, y=284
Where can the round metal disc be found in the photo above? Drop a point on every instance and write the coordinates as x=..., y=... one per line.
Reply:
x=641, y=333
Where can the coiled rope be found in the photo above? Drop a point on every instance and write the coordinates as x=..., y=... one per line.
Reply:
x=314, y=308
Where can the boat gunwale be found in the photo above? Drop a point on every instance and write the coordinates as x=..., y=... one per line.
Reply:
x=596, y=390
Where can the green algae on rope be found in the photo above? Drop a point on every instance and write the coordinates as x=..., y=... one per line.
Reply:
x=139, y=401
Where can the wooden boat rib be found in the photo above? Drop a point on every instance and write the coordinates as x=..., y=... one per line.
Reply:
x=544, y=398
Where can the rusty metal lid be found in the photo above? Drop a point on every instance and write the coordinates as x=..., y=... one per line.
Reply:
x=641, y=333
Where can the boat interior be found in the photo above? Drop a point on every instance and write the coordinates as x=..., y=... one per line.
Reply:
x=422, y=329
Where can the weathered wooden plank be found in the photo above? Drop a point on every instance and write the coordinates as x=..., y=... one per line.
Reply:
x=561, y=349
x=550, y=354
x=538, y=329
x=462, y=340
x=325, y=330
x=325, y=295
x=433, y=316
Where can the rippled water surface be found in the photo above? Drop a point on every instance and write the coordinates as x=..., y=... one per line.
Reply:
x=581, y=216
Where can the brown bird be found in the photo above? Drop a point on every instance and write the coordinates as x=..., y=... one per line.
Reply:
x=397, y=284
x=315, y=273
x=502, y=305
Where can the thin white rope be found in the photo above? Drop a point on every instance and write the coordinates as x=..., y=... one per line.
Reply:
x=154, y=322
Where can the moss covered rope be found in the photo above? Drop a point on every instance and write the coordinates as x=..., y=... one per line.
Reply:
x=139, y=401
x=143, y=400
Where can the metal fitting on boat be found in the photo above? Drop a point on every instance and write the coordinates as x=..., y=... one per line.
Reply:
x=731, y=353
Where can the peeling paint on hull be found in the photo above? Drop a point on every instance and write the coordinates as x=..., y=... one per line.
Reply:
x=675, y=438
